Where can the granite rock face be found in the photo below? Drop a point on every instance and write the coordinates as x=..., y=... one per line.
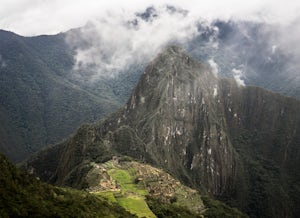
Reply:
x=237, y=143
x=175, y=111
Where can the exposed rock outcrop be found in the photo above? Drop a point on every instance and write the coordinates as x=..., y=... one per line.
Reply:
x=237, y=143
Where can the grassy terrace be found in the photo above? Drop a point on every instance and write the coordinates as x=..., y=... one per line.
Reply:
x=149, y=192
x=131, y=196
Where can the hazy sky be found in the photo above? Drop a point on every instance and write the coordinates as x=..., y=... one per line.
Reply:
x=34, y=17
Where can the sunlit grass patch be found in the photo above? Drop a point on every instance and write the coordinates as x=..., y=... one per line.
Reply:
x=109, y=195
x=126, y=181
x=136, y=205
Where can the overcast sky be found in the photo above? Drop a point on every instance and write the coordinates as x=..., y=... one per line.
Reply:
x=34, y=17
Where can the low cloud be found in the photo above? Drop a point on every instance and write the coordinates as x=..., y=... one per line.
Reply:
x=238, y=75
x=117, y=37
x=214, y=66
x=34, y=17
x=288, y=39
x=113, y=43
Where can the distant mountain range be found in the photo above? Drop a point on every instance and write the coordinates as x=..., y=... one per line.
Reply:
x=42, y=100
x=236, y=143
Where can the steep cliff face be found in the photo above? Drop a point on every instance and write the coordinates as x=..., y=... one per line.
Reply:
x=174, y=111
x=263, y=129
x=237, y=143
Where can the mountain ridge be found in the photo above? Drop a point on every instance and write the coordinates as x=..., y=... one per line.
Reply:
x=40, y=104
x=119, y=187
x=44, y=98
x=210, y=133
x=23, y=195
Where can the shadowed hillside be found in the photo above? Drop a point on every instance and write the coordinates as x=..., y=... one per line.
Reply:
x=236, y=143
x=39, y=103
x=22, y=195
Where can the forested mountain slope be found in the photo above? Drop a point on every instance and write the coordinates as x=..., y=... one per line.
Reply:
x=39, y=103
x=237, y=143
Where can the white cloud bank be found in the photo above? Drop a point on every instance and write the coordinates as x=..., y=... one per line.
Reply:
x=34, y=17
x=214, y=66
x=121, y=39
x=237, y=75
x=112, y=44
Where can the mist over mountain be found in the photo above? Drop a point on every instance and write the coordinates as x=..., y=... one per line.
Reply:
x=105, y=58
x=182, y=109
x=253, y=52
x=237, y=143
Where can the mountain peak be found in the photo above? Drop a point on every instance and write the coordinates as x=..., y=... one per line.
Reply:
x=174, y=55
x=174, y=49
x=173, y=77
x=206, y=131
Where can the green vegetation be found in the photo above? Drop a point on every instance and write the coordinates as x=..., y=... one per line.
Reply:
x=136, y=184
x=22, y=195
x=109, y=195
x=136, y=205
x=132, y=195
x=168, y=210
x=240, y=144
x=216, y=209
x=43, y=100
x=126, y=181
x=148, y=192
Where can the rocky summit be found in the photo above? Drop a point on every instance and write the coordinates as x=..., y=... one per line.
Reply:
x=237, y=143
